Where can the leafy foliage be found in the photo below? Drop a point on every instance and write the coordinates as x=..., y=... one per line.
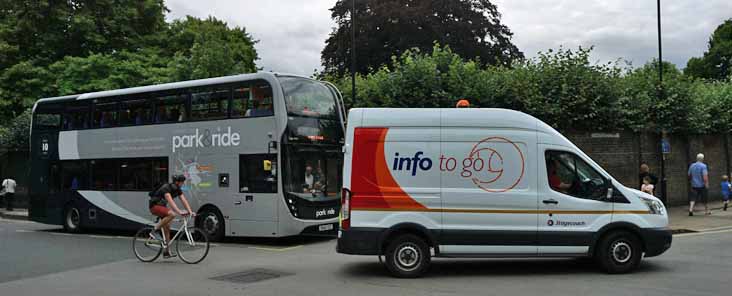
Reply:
x=716, y=63
x=472, y=28
x=561, y=87
x=51, y=48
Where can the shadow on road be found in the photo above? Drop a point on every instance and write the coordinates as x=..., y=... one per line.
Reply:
x=446, y=268
x=274, y=242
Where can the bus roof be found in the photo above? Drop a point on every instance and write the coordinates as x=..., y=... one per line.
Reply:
x=167, y=86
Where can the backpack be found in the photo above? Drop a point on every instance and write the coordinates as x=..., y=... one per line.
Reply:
x=155, y=198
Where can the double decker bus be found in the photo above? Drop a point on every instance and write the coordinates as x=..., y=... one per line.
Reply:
x=262, y=155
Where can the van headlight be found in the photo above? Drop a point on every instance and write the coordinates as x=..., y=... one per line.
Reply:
x=654, y=206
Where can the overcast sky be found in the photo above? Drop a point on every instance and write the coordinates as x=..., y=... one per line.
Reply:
x=292, y=33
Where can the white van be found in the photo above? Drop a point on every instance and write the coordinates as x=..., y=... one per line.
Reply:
x=485, y=183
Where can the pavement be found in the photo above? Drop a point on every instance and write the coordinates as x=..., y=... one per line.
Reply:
x=679, y=219
x=50, y=261
x=15, y=214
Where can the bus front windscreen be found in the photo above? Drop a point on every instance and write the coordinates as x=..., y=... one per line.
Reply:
x=313, y=174
x=308, y=98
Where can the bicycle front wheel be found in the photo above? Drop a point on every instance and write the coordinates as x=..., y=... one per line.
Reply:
x=146, y=249
x=192, y=249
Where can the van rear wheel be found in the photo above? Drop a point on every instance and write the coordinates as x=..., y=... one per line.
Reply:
x=407, y=256
x=619, y=252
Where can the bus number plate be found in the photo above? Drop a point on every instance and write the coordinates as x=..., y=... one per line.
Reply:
x=325, y=227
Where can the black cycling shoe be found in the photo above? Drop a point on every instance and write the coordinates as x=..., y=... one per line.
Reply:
x=167, y=254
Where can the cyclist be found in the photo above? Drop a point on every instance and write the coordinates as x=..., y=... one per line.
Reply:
x=160, y=199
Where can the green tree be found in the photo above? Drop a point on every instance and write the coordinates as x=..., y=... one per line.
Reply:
x=209, y=48
x=74, y=75
x=472, y=28
x=15, y=135
x=716, y=63
x=674, y=111
x=46, y=30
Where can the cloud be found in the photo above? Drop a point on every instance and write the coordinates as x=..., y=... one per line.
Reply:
x=292, y=33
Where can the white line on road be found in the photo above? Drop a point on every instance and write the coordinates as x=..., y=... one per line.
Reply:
x=702, y=233
x=23, y=230
x=59, y=233
x=276, y=249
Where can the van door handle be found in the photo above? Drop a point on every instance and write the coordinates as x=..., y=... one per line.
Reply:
x=237, y=202
x=550, y=201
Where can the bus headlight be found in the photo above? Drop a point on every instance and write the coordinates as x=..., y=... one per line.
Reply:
x=654, y=206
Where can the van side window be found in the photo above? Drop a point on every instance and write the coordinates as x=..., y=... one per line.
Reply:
x=569, y=174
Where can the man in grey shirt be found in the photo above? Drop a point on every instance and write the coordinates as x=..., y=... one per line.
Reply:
x=699, y=177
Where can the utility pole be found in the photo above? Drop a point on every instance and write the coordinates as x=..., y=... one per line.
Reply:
x=353, y=52
x=659, y=91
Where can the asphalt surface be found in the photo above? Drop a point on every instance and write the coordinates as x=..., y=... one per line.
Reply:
x=37, y=261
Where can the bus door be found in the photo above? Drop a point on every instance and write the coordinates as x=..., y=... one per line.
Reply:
x=256, y=197
x=43, y=171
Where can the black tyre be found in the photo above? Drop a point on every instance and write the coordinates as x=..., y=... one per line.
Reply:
x=407, y=256
x=211, y=222
x=619, y=252
x=145, y=247
x=72, y=219
x=194, y=250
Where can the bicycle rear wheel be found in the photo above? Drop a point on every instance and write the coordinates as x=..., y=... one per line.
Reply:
x=146, y=249
x=194, y=250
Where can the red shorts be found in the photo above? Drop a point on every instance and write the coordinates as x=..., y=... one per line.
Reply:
x=159, y=211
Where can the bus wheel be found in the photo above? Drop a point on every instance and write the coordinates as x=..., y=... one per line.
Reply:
x=407, y=256
x=72, y=219
x=619, y=252
x=212, y=223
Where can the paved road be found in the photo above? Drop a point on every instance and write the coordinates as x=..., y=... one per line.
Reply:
x=695, y=265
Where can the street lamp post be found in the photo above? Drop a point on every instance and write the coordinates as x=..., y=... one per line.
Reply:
x=660, y=97
x=353, y=52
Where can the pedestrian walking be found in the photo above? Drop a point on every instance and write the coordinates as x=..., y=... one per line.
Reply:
x=726, y=188
x=9, y=187
x=647, y=187
x=699, y=178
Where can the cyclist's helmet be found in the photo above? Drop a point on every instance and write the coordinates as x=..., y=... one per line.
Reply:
x=179, y=178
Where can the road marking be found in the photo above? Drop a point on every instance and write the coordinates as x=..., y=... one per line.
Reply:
x=703, y=233
x=101, y=236
x=276, y=249
x=59, y=233
x=23, y=230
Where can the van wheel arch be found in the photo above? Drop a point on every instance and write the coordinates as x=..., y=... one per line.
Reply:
x=406, y=228
x=612, y=228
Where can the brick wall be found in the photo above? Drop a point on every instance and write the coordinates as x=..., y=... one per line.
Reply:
x=622, y=153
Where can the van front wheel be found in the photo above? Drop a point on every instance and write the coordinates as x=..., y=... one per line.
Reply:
x=407, y=256
x=619, y=252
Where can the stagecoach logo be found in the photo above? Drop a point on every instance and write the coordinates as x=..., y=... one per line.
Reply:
x=207, y=138
x=564, y=223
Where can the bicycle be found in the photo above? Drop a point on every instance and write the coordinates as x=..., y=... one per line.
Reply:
x=191, y=244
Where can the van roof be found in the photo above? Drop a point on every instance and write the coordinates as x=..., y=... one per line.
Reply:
x=449, y=117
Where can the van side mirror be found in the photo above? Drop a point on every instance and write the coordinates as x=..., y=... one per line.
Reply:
x=609, y=195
